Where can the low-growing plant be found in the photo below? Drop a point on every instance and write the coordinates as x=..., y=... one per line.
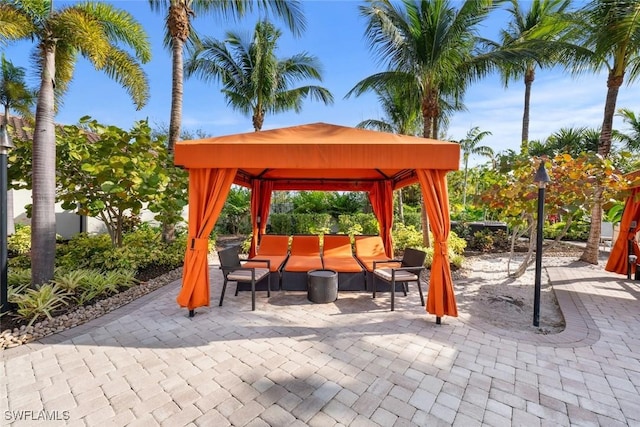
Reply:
x=359, y=223
x=91, y=286
x=19, y=243
x=34, y=304
x=18, y=277
x=70, y=280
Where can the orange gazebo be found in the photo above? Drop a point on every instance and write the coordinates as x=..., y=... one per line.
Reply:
x=618, y=261
x=315, y=156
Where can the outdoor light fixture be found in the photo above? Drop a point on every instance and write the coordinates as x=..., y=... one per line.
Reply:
x=541, y=178
x=5, y=146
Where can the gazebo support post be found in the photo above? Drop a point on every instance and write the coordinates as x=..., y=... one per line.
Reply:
x=438, y=320
x=192, y=313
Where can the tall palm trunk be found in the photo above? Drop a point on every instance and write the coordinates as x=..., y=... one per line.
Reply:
x=177, y=91
x=528, y=81
x=43, y=221
x=614, y=82
x=11, y=228
x=430, y=116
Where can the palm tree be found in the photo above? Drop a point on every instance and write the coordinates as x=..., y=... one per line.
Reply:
x=254, y=80
x=16, y=96
x=96, y=31
x=630, y=140
x=432, y=48
x=402, y=116
x=543, y=25
x=14, y=93
x=180, y=31
x=470, y=146
x=610, y=31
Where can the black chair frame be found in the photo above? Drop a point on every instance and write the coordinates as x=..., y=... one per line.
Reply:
x=230, y=262
x=413, y=262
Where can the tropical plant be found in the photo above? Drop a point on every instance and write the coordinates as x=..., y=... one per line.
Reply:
x=40, y=302
x=254, y=80
x=113, y=41
x=432, y=49
x=469, y=146
x=235, y=215
x=402, y=116
x=179, y=31
x=114, y=177
x=542, y=26
x=630, y=140
x=16, y=96
x=610, y=32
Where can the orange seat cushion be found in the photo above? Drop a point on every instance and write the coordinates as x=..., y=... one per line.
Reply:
x=303, y=263
x=342, y=264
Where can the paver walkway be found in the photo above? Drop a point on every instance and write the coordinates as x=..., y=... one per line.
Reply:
x=351, y=363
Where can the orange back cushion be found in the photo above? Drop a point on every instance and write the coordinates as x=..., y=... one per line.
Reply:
x=370, y=246
x=336, y=246
x=305, y=245
x=271, y=244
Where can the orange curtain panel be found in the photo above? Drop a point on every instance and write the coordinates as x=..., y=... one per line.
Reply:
x=260, y=202
x=381, y=198
x=208, y=190
x=618, y=259
x=441, y=299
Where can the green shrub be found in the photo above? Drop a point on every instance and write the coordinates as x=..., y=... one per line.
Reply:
x=19, y=243
x=43, y=301
x=406, y=237
x=359, y=223
x=490, y=241
x=413, y=219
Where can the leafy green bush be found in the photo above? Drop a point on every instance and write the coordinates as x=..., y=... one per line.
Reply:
x=20, y=241
x=359, y=223
x=43, y=301
x=406, y=237
x=409, y=237
x=490, y=241
x=311, y=223
x=141, y=248
x=412, y=218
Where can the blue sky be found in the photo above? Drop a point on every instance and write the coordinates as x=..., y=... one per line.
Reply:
x=335, y=34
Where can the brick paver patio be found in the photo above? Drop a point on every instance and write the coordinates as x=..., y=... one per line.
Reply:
x=352, y=363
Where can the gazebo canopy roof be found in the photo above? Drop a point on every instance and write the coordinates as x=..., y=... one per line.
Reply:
x=320, y=156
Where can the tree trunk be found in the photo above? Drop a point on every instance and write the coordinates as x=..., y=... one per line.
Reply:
x=464, y=182
x=528, y=81
x=175, y=123
x=614, y=82
x=10, y=213
x=43, y=221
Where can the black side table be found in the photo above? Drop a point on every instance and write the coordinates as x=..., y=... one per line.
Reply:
x=322, y=286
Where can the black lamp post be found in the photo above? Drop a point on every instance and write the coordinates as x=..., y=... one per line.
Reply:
x=541, y=178
x=5, y=146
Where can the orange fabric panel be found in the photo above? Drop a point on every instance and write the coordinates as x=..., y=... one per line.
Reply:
x=208, y=190
x=303, y=263
x=305, y=245
x=619, y=258
x=337, y=246
x=274, y=244
x=260, y=202
x=381, y=197
x=318, y=146
x=342, y=264
x=276, y=262
x=441, y=299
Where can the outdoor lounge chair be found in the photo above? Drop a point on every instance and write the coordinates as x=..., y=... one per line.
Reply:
x=234, y=271
x=304, y=257
x=338, y=256
x=275, y=248
x=412, y=266
x=368, y=250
